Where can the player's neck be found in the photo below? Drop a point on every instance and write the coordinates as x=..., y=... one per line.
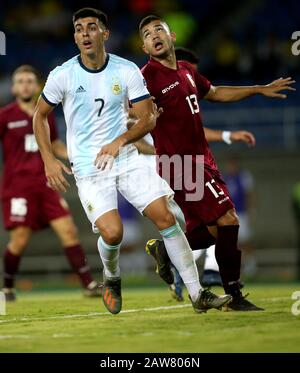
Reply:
x=94, y=62
x=168, y=61
x=27, y=107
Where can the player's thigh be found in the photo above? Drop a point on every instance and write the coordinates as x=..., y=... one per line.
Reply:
x=18, y=239
x=110, y=227
x=66, y=230
x=141, y=186
x=98, y=196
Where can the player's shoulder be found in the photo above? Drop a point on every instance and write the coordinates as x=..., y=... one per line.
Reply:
x=121, y=62
x=65, y=68
x=8, y=109
x=149, y=69
x=186, y=65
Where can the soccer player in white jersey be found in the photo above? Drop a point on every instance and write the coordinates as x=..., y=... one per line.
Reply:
x=94, y=89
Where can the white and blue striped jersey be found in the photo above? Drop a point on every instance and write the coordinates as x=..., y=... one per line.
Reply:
x=95, y=105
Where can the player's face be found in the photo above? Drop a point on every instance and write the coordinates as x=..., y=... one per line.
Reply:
x=90, y=35
x=157, y=39
x=25, y=86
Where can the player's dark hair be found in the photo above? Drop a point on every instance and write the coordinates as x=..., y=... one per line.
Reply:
x=186, y=55
x=27, y=69
x=145, y=21
x=91, y=12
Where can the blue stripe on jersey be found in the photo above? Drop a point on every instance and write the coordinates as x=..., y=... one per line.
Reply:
x=48, y=102
x=140, y=98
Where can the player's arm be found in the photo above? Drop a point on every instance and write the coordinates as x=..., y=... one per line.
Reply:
x=59, y=149
x=232, y=93
x=144, y=112
x=229, y=136
x=53, y=167
x=142, y=145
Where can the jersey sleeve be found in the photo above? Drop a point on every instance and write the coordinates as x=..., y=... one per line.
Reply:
x=53, y=127
x=203, y=84
x=53, y=92
x=136, y=86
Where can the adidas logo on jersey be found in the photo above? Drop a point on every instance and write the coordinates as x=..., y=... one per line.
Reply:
x=80, y=89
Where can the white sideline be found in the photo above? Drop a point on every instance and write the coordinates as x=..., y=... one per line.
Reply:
x=93, y=314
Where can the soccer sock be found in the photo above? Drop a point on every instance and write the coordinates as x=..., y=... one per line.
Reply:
x=197, y=254
x=78, y=262
x=200, y=238
x=228, y=255
x=110, y=258
x=10, y=268
x=210, y=260
x=181, y=256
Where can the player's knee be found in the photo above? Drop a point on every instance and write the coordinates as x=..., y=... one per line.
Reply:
x=18, y=242
x=166, y=220
x=230, y=218
x=112, y=235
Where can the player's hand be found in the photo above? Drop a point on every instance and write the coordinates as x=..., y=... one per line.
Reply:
x=157, y=111
x=273, y=89
x=243, y=136
x=105, y=158
x=54, y=169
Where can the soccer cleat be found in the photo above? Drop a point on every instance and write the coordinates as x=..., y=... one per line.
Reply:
x=240, y=303
x=111, y=294
x=177, y=287
x=207, y=300
x=211, y=278
x=157, y=249
x=10, y=294
x=92, y=290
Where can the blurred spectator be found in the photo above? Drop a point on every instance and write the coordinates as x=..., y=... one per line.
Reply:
x=241, y=188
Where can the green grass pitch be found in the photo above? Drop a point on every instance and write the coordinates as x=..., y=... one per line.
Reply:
x=64, y=321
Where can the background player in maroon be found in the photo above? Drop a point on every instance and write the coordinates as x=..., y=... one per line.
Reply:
x=28, y=203
x=177, y=88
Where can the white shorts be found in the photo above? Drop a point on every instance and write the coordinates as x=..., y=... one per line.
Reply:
x=135, y=179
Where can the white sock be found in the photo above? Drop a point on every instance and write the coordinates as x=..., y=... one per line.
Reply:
x=110, y=258
x=198, y=253
x=181, y=256
x=210, y=260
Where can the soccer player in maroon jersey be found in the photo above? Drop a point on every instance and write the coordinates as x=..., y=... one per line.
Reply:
x=177, y=88
x=28, y=203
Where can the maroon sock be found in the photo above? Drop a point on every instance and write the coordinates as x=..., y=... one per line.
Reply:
x=228, y=256
x=10, y=268
x=200, y=238
x=78, y=262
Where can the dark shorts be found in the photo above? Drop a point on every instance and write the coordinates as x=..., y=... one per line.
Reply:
x=33, y=207
x=215, y=202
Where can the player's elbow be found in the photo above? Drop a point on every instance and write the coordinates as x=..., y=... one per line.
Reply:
x=149, y=121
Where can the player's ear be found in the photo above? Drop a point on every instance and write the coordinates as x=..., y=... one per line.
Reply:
x=105, y=34
x=173, y=35
x=145, y=49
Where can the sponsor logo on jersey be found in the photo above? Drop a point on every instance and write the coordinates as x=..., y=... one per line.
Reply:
x=191, y=80
x=80, y=89
x=18, y=124
x=171, y=86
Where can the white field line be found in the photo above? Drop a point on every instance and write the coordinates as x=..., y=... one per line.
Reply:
x=94, y=314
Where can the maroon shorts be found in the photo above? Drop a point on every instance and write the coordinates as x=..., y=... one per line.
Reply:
x=214, y=203
x=34, y=207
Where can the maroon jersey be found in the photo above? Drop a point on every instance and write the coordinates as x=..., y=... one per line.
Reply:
x=179, y=129
x=23, y=165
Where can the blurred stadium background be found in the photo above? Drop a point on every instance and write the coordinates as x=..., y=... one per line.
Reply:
x=245, y=42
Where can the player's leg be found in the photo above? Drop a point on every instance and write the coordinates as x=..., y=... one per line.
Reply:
x=18, y=240
x=54, y=211
x=67, y=233
x=109, y=243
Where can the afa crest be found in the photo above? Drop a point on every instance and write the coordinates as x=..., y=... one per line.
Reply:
x=116, y=88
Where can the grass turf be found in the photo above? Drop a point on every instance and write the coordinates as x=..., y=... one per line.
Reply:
x=64, y=321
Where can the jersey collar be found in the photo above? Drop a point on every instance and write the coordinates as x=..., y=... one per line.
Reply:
x=92, y=70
